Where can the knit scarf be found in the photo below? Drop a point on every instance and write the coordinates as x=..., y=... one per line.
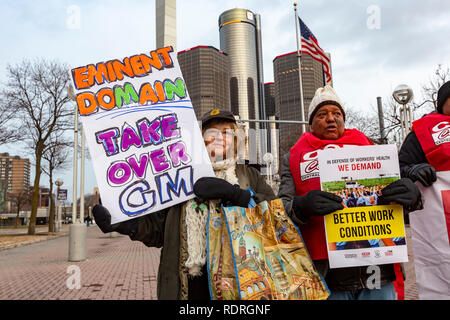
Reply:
x=197, y=215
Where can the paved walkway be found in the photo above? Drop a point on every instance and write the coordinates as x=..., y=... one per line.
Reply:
x=116, y=268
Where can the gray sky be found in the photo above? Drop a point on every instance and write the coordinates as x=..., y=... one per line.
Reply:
x=374, y=44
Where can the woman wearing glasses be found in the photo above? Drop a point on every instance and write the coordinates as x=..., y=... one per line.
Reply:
x=181, y=230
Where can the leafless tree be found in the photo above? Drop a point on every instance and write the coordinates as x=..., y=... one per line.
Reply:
x=7, y=132
x=429, y=91
x=426, y=104
x=368, y=123
x=36, y=91
x=365, y=121
x=20, y=201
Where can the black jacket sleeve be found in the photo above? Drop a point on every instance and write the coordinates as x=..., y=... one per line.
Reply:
x=258, y=183
x=151, y=229
x=411, y=153
x=286, y=191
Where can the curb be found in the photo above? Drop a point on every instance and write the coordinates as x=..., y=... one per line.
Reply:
x=24, y=243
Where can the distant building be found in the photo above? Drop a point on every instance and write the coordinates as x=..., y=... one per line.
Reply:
x=269, y=98
x=287, y=94
x=166, y=23
x=206, y=73
x=14, y=177
x=44, y=197
x=240, y=38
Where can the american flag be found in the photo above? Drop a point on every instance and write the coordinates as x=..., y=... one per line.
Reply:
x=309, y=45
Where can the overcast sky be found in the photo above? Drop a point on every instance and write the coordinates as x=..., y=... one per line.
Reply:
x=374, y=45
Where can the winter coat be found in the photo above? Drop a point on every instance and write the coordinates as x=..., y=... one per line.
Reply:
x=166, y=229
x=411, y=153
x=340, y=279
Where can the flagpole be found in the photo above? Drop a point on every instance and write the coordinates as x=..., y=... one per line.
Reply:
x=297, y=27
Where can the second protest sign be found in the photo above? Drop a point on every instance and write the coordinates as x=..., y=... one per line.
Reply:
x=364, y=232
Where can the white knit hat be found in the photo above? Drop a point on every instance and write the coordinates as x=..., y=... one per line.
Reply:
x=323, y=96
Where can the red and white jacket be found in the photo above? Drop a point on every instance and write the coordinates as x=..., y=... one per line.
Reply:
x=304, y=166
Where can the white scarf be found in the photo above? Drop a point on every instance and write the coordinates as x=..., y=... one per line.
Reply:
x=196, y=219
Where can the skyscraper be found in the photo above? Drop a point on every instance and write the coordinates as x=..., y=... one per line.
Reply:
x=269, y=98
x=240, y=38
x=206, y=73
x=166, y=23
x=287, y=93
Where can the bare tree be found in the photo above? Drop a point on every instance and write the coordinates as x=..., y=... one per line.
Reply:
x=7, y=132
x=20, y=200
x=391, y=110
x=56, y=156
x=430, y=89
x=365, y=121
x=37, y=93
x=426, y=105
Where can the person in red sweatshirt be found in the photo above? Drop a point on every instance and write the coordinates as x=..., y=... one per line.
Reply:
x=425, y=158
x=427, y=147
x=307, y=204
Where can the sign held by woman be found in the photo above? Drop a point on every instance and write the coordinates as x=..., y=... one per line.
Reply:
x=143, y=137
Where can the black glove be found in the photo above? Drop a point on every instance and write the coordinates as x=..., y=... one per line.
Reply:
x=103, y=220
x=209, y=188
x=404, y=192
x=316, y=203
x=422, y=172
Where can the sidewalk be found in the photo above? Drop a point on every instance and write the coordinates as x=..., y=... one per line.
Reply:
x=116, y=268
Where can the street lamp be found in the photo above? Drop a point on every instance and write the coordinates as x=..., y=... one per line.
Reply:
x=403, y=95
x=77, y=230
x=58, y=183
x=268, y=159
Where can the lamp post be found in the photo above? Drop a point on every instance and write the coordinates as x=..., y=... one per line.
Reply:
x=403, y=95
x=77, y=230
x=268, y=159
x=58, y=183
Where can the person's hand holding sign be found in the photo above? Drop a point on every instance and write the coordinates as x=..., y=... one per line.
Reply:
x=403, y=192
x=422, y=172
x=209, y=188
x=316, y=203
x=103, y=220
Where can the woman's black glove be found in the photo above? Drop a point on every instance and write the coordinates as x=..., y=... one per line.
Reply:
x=422, y=172
x=211, y=188
x=103, y=220
x=316, y=203
x=404, y=192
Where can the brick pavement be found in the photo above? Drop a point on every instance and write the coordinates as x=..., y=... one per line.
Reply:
x=116, y=268
x=411, y=290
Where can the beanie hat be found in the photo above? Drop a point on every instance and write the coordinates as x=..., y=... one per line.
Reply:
x=443, y=95
x=324, y=96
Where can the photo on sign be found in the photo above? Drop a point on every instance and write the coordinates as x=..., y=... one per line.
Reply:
x=362, y=193
x=357, y=193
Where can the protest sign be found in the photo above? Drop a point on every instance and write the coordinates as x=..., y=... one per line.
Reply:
x=143, y=137
x=364, y=232
x=430, y=234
